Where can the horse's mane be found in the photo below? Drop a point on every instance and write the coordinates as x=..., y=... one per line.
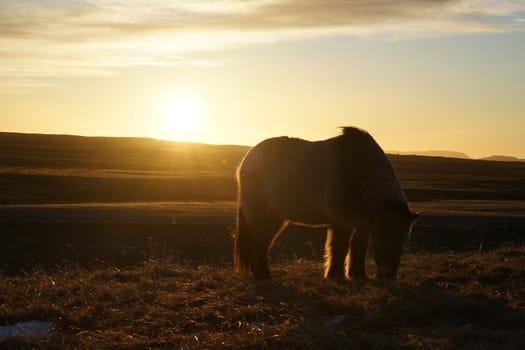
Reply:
x=351, y=135
x=352, y=131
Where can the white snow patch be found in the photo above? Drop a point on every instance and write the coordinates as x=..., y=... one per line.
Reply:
x=27, y=329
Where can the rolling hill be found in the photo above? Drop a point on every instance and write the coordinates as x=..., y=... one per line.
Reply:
x=504, y=159
x=38, y=168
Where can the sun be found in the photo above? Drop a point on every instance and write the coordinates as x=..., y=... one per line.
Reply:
x=181, y=118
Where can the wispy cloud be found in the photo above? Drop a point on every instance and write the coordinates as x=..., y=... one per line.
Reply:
x=61, y=38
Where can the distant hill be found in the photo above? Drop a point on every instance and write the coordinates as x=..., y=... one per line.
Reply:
x=66, y=151
x=457, y=155
x=446, y=154
x=503, y=159
x=37, y=168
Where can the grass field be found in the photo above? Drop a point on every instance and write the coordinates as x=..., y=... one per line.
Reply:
x=41, y=169
x=441, y=301
x=126, y=243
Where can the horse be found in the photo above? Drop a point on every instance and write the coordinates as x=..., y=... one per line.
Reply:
x=345, y=183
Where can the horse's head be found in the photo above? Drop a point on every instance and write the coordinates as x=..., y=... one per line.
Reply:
x=390, y=231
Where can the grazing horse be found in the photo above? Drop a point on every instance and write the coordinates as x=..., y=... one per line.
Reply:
x=345, y=183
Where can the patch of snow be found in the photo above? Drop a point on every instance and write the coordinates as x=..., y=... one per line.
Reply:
x=27, y=329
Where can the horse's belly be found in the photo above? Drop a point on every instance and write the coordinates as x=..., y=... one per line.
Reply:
x=297, y=211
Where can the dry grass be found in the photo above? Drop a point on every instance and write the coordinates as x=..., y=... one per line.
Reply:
x=465, y=300
x=38, y=169
x=441, y=301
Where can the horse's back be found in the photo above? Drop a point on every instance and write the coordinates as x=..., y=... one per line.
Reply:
x=370, y=179
x=278, y=156
x=289, y=174
x=316, y=182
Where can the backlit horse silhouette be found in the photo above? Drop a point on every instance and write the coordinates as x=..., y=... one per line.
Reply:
x=345, y=183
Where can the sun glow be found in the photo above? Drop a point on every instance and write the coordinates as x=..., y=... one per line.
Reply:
x=181, y=118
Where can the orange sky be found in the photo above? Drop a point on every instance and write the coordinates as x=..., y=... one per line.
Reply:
x=420, y=75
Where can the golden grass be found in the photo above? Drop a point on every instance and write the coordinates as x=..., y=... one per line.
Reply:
x=115, y=173
x=440, y=301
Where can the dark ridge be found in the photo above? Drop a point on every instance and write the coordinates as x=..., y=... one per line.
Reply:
x=64, y=169
x=500, y=158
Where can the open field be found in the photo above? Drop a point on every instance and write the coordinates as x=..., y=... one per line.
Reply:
x=119, y=233
x=42, y=169
x=441, y=301
x=126, y=243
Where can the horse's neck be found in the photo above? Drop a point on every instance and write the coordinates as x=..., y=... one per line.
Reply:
x=380, y=189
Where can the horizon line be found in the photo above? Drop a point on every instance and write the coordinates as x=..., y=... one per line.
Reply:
x=438, y=153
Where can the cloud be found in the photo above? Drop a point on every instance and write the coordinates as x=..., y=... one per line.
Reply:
x=96, y=19
x=62, y=38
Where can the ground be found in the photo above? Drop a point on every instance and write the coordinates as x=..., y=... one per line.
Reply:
x=126, y=243
x=447, y=300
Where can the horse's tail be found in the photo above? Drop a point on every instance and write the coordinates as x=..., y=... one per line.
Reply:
x=242, y=244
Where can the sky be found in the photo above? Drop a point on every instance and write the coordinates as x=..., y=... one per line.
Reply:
x=418, y=75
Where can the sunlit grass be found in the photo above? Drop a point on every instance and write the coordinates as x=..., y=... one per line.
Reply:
x=441, y=301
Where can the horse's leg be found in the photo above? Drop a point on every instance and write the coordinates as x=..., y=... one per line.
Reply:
x=358, y=245
x=336, y=250
x=265, y=232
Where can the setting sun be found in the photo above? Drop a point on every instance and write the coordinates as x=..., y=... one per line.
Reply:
x=181, y=117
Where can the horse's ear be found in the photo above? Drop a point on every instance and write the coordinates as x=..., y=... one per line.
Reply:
x=413, y=217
